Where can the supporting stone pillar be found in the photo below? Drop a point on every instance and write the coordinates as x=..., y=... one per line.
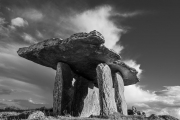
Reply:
x=119, y=93
x=63, y=90
x=81, y=91
x=85, y=102
x=106, y=92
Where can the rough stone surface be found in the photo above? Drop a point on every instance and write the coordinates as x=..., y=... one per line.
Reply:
x=128, y=74
x=91, y=103
x=82, y=51
x=38, y=115
x=119, y=93
x=106, y=92
x=57, y=92
x=63, y=89
x=154, y=117
x=85, y=102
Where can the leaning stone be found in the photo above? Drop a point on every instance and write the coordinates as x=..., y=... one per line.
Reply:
x=106, y=92
x=85, y=102
x=63, y=89
x=119, y=93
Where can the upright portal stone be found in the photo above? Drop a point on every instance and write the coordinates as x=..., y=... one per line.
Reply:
x=106, y=92
x=85, y=102
x=119, y=93
x=63, y=89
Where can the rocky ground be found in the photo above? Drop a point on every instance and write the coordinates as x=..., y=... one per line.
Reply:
x=39, y=115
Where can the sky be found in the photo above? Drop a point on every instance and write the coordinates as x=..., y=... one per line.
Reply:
x=145, y=33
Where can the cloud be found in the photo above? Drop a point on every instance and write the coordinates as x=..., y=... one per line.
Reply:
x=169, y=91
x=18, y=22
x=129, y=14
x=50, y=21
x=27, y=103
x=157, y=102
x=2, y=21
x=99, y=19
x=32, y=14
x=24, y=91
x=164, y=111
x=18, y=86
x=142, y=105
x=12, y=34
x=2, y=105
x=39, y=34
x=135, y=94
x=133, y=64
x=4, y=32
x=4, y=91
x=173, y=112
x=28, y=38
x=5, y=103
x=25, y=78
x=20, y=103
x=31, y=101
x=170, y=95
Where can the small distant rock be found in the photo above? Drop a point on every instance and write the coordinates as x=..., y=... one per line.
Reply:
x=38, y=115
x=154, y=117
x=167, y=117
x=135, y=112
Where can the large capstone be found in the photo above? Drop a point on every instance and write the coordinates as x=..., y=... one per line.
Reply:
x=82, y=52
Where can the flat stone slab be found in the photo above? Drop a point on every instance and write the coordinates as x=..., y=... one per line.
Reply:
x=128, y=74
x=82, y=51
